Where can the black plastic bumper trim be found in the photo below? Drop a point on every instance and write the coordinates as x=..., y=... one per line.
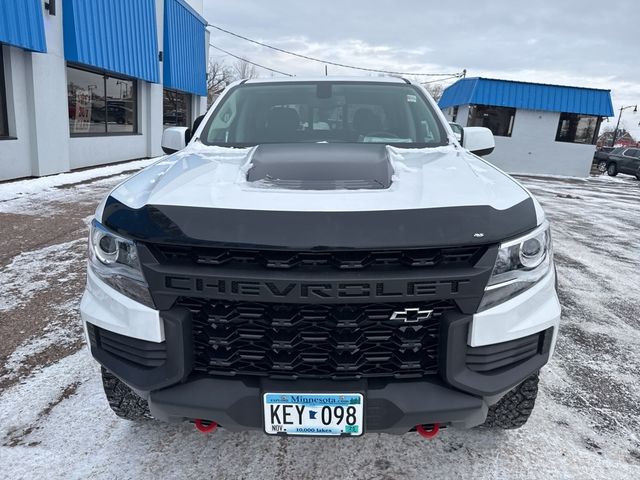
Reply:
x=390, y=407
x=144, y=375
x=454, y=367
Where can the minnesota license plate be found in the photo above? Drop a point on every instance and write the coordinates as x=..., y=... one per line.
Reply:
x=313, y=413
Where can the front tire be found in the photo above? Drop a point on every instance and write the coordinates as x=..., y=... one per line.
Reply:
x=612, y=170
x=124, y=402
x=513, y=410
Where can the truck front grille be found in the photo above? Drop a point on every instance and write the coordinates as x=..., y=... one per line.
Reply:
x=340, y=260
x=314, y=341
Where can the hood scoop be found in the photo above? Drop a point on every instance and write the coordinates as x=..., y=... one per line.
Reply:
x=321, y=166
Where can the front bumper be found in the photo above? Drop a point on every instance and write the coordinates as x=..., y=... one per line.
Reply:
x=459, y=395
x=390, y=407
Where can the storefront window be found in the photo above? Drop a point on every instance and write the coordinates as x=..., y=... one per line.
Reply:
x=4, y=127
x=497, y=119
x=121, y=105
x=100, y=104
x=176, y=109
x=575, y=128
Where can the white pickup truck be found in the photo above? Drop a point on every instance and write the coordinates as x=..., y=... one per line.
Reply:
x=322, y=257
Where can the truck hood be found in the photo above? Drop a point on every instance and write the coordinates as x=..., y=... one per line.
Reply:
x=216, y=177
x=437, y=196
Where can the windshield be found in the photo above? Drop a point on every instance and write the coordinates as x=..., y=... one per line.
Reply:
x=290, y=112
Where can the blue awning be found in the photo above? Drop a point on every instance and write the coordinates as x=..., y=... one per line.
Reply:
x=21, y=24
x=185, y=62
x=115, y=35
x=529, y=96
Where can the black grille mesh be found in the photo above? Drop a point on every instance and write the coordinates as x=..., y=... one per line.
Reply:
x=313, y=341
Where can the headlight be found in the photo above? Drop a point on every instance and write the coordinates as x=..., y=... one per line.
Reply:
x=521, y=263
x=114, y=260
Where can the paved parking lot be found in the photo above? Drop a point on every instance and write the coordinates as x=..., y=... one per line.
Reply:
x=54, y=421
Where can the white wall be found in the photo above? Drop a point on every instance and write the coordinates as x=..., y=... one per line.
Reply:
x=532, y=148
x=461, y=117
x=15, y=153
x=37, y=112
x=48, y=107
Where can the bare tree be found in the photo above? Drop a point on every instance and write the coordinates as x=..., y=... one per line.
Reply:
x=219, y=75
x=243, y=69
x=435, y=90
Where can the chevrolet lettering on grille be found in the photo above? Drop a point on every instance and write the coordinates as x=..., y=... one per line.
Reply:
x=225, y=288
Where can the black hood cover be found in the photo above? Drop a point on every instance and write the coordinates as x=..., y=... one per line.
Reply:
x=321, y=166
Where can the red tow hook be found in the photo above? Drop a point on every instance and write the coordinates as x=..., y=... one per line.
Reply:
x=430, y=433
x=207, y=427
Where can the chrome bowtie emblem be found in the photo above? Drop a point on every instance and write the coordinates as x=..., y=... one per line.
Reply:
x=412, y=315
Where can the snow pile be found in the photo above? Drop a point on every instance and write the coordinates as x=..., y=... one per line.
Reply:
x=26, y=196
x=10, y=190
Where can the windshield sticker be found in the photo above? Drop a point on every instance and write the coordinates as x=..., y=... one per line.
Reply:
x=412, y=98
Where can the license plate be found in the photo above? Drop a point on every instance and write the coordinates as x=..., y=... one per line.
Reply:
x=313, y=413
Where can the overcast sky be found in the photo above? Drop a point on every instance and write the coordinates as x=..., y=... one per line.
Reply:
x=570, y=42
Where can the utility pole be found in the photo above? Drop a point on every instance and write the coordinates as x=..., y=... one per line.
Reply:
x=615, y=132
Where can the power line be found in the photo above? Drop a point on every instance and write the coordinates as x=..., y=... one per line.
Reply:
x=441, y=79
x=249, y=61
x=344, y=65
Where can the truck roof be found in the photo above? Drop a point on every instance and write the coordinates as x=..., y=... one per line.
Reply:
x=336, y=78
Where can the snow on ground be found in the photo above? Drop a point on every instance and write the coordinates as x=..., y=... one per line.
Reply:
x=38, y=270
x=78, y=437
x=25, y=196
x=55, y=423
x=57, y=332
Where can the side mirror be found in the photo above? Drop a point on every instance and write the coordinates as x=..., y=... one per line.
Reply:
x=478, y=140
x=194, y=127
x=174, y=139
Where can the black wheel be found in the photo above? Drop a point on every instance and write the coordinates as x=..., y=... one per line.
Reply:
x=513, y=410
x=124, y=402
x=612, y=170
x=602, y=166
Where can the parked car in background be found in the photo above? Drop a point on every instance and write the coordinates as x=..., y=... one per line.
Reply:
x=624, y=160
x=114, y=113
x=601, y=157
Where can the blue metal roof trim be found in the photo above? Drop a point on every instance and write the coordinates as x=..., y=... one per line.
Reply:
x=22, y=25
x=119, y=36
x=185, y=62
x=530, y=96
x=193, y=12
